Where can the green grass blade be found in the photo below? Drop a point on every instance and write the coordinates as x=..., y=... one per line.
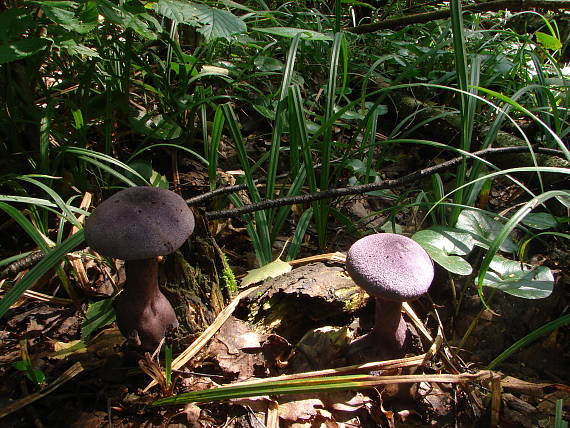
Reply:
x=299, y=234
x=311, y=385
x=217, y=128
x=104, y=162
x=175, y=146
x=326, y=144
x=529, y=338
x=524, y=110
x=284, y=211
x=66, y=212
x=51, y=259
x=278, y=125
x=26, y=225
x=265, y=254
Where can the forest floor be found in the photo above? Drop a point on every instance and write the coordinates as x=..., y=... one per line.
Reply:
x=299, y=322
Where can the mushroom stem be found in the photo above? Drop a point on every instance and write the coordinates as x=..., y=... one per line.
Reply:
x=143, y=313
x=141, y=279
x=389, y=327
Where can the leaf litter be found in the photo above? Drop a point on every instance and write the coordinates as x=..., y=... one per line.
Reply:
x=298, y=323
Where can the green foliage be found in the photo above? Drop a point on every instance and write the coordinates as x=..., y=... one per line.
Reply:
x=228, y=277
x=98, y=315
x=36, y=376
x=529, y=338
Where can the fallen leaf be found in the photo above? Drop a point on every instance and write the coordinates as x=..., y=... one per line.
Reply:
x=271, y=270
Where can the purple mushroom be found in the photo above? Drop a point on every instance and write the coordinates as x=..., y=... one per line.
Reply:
x=393, y=269
x=137, y=225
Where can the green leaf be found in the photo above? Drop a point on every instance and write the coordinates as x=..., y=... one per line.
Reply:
x=141, y=23
x=271, y=270
x=359, y=167
x=484, y=229
x=144, y=169
x=453, y=264
x=159, y=127
x=97, y=316
x=444, y=245
x=14, y=22
x=34, y=375
x=267, y=63
x=63, y=13
x=519, y=279
x=213, y=23
x=547, y=41
x=13, y=51
x=540, y=221
x=449, y=239
x=74, y=48
x=290, y=32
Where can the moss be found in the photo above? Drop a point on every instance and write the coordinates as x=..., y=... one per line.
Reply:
x=228, y=278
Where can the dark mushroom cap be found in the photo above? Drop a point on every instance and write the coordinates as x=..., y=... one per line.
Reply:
x=390, y=266
x=139, y=223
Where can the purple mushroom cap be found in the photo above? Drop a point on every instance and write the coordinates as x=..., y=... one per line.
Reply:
x=390, y=266
x=139, y=223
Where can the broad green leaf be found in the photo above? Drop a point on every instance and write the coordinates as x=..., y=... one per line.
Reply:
x=540, y=221
x=290, y=32
x=74, y=48
x=144, y=24
x=450, y=240
x=267, y=63
x=98, y=315
x=359, y=167
x=484, y=229
x=445, y=245
x=547, y=41
x=34, y=375
x=13, y=51
x=521, y=280
x=64, y=14
x=144, y=169
x=213, y=23
x=160, y=127
x=453, y=264
x=13, y=23
x=271, y=270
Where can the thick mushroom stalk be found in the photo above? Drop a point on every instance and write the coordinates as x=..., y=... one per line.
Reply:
x=144, y=314
x=137, y=225
x=393, y=269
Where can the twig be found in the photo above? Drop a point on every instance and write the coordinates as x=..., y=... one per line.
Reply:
x=365, y=188
x=491, y=6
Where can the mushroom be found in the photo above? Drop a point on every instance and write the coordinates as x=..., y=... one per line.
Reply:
x=393, y=269
x=137, y=225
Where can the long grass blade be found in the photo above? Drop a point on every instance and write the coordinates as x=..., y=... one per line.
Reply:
x=261, y=225
x=529, y=338
x=52, y=257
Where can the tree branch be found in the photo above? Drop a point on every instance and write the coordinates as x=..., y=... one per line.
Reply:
x=491, y=6
x=365, y=188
